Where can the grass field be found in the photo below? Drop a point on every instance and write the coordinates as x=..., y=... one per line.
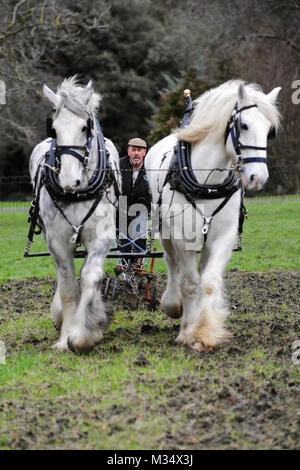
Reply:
x=271, y=239
x=139, y=389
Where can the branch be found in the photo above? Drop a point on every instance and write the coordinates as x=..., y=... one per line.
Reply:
x=15, y=13
x=270, y=36
x=27, y=132
x=6, y=34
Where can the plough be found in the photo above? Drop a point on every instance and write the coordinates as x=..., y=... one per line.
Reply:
x=132, y=273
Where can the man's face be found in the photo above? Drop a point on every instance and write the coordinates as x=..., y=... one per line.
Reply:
x=136, y=155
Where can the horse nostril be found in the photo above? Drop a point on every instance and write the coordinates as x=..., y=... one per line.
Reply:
x=78, y=182
x=252, y=178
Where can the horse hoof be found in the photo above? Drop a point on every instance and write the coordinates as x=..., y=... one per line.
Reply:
x=173, y=310
x=194, y=345
x=60, y=346
x=200, y=347
x=84, y=349
x=71, y=345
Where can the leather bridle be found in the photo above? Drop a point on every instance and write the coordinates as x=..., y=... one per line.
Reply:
x=234, y=129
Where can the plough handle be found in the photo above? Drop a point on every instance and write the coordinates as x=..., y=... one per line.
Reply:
x=147, y=297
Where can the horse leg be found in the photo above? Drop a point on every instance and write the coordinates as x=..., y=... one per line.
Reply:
x=91, y=318
x=56, y=310
x=189, y=287
x=204, y=328
x=66, y=297
x=171, y=301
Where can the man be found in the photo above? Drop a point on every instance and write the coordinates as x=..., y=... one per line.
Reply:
x=135, y=187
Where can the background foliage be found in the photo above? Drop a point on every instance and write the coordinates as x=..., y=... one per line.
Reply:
x=141, y=55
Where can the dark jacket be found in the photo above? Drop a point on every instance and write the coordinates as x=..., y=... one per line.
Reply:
x=138, y=193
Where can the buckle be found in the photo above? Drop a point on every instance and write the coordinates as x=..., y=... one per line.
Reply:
x=75, y=234
x=207, y=221
x=239, y=165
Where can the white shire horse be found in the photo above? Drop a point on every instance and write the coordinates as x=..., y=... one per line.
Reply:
x=228, y=128
x=73, y=173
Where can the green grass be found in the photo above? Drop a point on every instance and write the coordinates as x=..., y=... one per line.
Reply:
x=271, y=237
x=139, y=390
x=14, y=204
x=100, y=381
x=270, y=240
x=104, y=400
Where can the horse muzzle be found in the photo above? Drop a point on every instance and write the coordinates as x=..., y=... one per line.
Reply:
x=255, y=178
x=69, y=186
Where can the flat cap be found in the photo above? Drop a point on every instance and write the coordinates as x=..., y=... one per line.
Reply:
x=137, y=142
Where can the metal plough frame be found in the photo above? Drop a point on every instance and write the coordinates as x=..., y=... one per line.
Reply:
x=133, y=274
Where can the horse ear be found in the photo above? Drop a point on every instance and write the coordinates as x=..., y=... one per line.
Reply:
x=51, y=96
x=87, y=91
x=242, y=94
x=273, y=94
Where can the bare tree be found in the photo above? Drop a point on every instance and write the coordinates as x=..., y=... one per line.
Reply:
x=41, y=41
x=257, y=40
x=30, y=34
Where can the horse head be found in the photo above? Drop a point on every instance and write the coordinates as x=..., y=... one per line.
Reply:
x=253, y=121
x=71, y=123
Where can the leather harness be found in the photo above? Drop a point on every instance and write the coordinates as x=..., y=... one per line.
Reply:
x=47, y=175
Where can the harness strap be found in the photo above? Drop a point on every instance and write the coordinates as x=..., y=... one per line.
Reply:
x=102, y=174
x=243, y=215
x=182, y=178
x=254, y=159
x=77, y=229
x=207, y=220
x=242, y=146
x=234, y=131
x=232, y=121
x=33, y=214
x=165, y=182
x=63, y=150
x=98, y=176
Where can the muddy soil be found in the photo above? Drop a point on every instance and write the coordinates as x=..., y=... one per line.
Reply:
x=224, y=407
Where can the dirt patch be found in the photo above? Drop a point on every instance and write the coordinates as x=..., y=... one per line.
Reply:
x=242, y=395
x=18, y=296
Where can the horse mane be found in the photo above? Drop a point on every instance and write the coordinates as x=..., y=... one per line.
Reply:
x=70, y=90
x=213, y=109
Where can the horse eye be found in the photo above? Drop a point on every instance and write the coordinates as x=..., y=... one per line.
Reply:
x=84, y=129
x=244, y=126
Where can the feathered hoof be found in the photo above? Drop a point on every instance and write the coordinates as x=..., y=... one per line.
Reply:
x=173, y=310
x=200, y=347
x=84, y=349
x=60, y=346
x=194, y=345
x=202, y=339
x=82, y=345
